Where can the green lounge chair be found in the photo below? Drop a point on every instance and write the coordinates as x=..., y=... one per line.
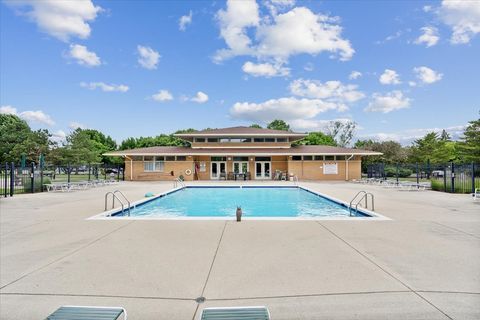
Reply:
x=87, y=313
x=236, y=313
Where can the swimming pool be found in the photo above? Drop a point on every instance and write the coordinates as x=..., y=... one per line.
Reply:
x=257, y=202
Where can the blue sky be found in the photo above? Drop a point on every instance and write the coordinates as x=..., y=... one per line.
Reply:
x=137, y=68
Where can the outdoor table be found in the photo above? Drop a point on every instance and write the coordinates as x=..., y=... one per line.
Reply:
x=238, y=174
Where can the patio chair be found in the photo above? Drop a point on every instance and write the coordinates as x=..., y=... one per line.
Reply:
x=247, y=176
x=223, y=175
x=237, y=313
x=230, y=176
x=476, y=194
x=86, y=312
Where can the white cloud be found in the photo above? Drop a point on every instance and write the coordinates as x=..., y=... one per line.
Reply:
x=83, y=56
x=333, y=91
x=427, y=75
x=8, y=110
x=412, y=83
x=75, y=125
x=407, y=136
x=148, y=58
x=389, y=77
x=200, y=97
x=306, y=125
x=162, y=96
x=184, y=21
x=30, y=116
x=105, y=87
x=278, y=36
x=265, y=69
x=389, y=102
x=288, y=109
x=354, y=75
x=429, y=37
x=463, y=17
x=427, y=8
x=58, y=136
x=309, y=67
x=60, y=19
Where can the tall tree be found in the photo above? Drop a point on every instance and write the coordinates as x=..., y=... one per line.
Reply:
x=469, y=146
x=278, y=125
x=254, y=125
x=318, y=138
x=342, y=131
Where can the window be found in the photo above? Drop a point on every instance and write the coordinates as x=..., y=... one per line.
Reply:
x=317, y=158
x=297, y=158
x=263, y=159
x=240, y=140
x=137, y=158
x=181, y=158
x=170, y=158
x=203, y=166
x=329, y=158
x=223, y=140
x=218, y=158
x=212, y=140
x=258, y=139
x=151, y=163
x=307, y=158
x=240, y=158
x=199, y=139
x=269, y=139
x=281, y=139
x=340, y=158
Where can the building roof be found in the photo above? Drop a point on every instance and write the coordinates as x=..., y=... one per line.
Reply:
x=241, y=131
x=295, y=150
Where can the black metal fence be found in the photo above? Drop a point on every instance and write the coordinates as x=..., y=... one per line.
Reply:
x=450, y=177
x=15, y=179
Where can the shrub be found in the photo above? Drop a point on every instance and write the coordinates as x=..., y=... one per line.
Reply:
x=402, y=172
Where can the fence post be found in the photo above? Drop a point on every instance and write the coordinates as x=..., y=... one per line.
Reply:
x=89, y=167
x=397, y=173
x=473, y=177
x=445, y=178
x=104, y=171
x=417, y=174
x=68, y=173
x=428, y=169
x=5, y=182
x=453, y=178
x=118, y=172
x=32, y=178
x=41, y=177
x=12, y=179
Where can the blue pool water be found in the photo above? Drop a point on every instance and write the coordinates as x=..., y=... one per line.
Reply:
x=254, y=201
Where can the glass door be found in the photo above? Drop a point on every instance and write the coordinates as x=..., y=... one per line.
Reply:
x=216, y=170
x=262, y=170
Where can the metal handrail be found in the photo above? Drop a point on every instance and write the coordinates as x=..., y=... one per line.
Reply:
x=124, y=197
x=114, y=196
x=365, y=195
x=178, y=181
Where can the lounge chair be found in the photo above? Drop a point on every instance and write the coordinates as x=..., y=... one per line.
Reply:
x=236, y=313
x=90, y=313
x=476, y=194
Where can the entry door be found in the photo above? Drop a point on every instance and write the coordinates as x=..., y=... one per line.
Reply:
x=262, y=170
x=240, y=167
x=217, y=168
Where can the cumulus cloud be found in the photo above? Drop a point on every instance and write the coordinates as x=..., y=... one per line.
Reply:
x=148, y=58
x=76, y=125
x=354, y=75
x=58, y=136
x=284, y=108
x=389, y=77
x=332, y=91
x=407, y=136
x=389, y=102
x=30, y=116
x=60, y=19
x=463, y=17
x=429, y=37
x=162, y=96
x=105, y=87
x=83, y=56
x=305, y=125
x=200, y=97
x=266, y=70
x=278, y=36
x=427, y=75
x=184, y=21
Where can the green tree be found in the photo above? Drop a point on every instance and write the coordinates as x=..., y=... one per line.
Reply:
x=254, y=125
x=318, y=138
x=278, y=125
x=433, y=148
x=393, y=152
x=469, y=146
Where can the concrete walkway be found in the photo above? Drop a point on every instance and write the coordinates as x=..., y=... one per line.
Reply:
x=423, y=264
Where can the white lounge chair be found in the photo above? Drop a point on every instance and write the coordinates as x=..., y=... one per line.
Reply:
x=476, y=194
x=236, y=313
x=87, y=312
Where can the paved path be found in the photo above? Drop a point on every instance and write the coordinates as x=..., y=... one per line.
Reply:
x=423, y=264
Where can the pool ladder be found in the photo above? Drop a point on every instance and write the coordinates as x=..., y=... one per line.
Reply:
x=295, y=180
x=114, y=196
x=177, y=182
x=363, y=196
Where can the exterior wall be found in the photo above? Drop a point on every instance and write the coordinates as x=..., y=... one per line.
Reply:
x=305, y=170
x=240, y=144
x=313, y=170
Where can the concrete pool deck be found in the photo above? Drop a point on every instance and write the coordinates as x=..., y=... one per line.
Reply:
x=422, y=264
